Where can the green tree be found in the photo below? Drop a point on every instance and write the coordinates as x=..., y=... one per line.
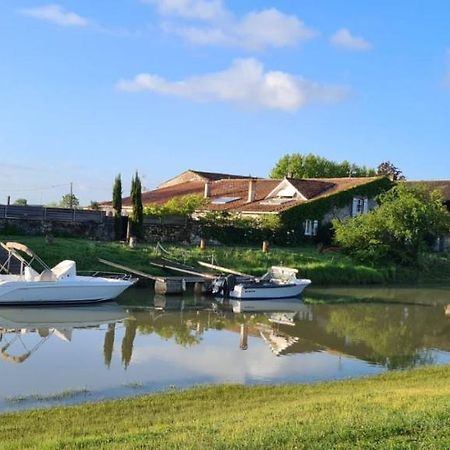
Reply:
x=388, y=169
x=21, y=202
x=94, y=205
x=297, y=165
x=117, y=206
x=137, y=214
x=177, y=206
x=69, y=201
x=407, y=221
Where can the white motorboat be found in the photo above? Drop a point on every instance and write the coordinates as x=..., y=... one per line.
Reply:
x=36, y=283
x=278, y=283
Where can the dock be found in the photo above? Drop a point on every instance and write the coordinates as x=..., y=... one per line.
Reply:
x=169, y=284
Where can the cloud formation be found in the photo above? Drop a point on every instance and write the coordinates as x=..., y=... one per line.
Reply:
x=344, y=39
x=55, y=14
x=210, y=23
x=190, y=9
x=245, y=83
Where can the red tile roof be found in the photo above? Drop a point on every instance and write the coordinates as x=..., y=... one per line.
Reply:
x=441, y=185
x=238, y=188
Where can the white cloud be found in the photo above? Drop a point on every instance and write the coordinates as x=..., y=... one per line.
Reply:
x=245, y=83
x=190, y=9
x=343, y=38
x=254, y=30
x=55, y=14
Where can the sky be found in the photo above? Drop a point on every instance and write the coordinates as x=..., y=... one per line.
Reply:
x=90, y=89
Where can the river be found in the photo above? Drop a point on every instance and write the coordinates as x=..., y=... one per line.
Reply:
x=146, y=343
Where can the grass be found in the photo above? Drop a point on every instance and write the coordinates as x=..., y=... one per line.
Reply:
x=322, y=268
x=396, y=410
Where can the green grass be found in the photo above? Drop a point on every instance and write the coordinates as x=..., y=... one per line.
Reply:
x=396, y=410
x=322, y=268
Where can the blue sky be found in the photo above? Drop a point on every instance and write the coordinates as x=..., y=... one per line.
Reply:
x=90, y=89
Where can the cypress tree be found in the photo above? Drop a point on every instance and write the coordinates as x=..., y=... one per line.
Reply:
x=137, y=214
x=117, y=206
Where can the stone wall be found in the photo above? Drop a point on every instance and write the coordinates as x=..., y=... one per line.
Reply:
x=103, y=230
x=168, y=230
x=155, y=230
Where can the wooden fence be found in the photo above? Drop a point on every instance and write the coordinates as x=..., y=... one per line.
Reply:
x=50, y=214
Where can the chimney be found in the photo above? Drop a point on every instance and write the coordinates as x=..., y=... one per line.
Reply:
x=207, y=193
x=251, y=191
x=289, y=174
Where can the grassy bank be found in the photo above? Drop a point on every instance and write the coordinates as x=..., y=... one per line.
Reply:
x=396, y=410
x=322, y=268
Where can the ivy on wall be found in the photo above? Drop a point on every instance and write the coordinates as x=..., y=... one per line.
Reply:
x=294, y=218
x=286, y=228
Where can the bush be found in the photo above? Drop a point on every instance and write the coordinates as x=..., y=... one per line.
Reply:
x=407, y=221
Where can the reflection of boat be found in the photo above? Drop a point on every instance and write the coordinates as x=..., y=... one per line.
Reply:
x=269, y=305
x=277, y=341
x=57, y=285
x=63, y=317
x=278, y=282
x=51, y=321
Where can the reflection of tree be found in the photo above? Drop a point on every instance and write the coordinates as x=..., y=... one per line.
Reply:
x=186, y=328
x=394, y=335
x=127, y=341
x=108, y=345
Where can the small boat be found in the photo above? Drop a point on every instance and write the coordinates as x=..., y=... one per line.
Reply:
x=37, y=283
x=278, y=283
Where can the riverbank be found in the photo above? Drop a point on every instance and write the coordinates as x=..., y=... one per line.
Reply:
x=399, y=409
x=322, y=268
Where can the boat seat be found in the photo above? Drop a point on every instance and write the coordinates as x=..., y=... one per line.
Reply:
x=65, y=269
x=46, y=275
x=30, y=274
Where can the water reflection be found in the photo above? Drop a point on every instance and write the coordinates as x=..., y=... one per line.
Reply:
x=46, y=322
x=159, y=341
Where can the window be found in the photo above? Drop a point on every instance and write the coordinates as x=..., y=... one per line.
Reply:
x=224, y=200
x=360, y=206
x=311, y=227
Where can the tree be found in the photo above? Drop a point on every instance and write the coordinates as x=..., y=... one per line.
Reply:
x=177, y=206
x=21, y=202
x=69, y=201
x=117, y=206
x=94, y=205
x=136, y=217
x=297, y=165
x=388, y=169
x=407, y=221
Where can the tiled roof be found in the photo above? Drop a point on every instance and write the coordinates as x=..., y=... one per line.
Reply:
x=238, y=188
x=163, y=195
x=214, y=176
x=441, y=185
x=311, y=188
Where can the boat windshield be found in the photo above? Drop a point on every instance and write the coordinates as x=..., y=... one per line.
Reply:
x=18, y=258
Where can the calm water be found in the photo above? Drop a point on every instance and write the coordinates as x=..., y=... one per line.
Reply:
x=145, y=343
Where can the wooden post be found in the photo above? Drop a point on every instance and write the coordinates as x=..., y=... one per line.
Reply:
x=133, y=242
x=265, y=246
x=202, y=244
x=243, y=341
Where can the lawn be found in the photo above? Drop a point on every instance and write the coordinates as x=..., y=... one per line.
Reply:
x=322, y=268
x=396, y=410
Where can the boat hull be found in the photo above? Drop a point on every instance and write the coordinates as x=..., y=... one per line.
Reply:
x=71, y=291
x=255, y=292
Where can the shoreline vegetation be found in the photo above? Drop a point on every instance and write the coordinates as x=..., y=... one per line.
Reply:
x=322, y=268
x=409, y=409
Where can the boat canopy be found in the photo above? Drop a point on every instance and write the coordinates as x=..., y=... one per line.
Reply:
x=16, y=250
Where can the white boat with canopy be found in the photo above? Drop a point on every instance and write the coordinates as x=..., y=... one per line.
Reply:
x=37, y=283
x=278, y=283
